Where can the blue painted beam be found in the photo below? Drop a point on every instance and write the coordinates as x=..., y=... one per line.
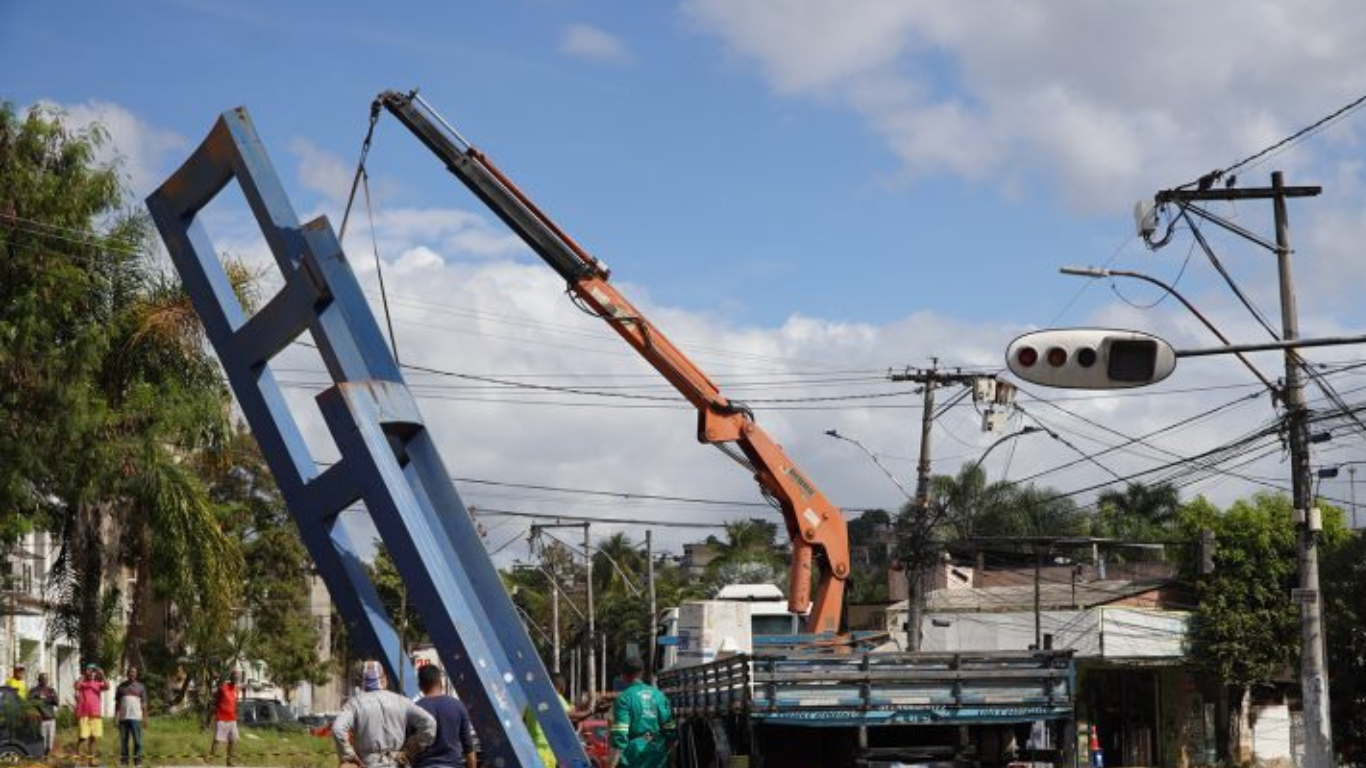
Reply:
x=388, y=459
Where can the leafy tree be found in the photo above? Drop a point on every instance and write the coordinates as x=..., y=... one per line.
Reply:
x=277, y=587
x=108, y=401
x=1344, y=592
x=1140, y=512
x=1246, y=630
x=748, y=555
x=392, y=592
x=869, y=585
x=618, y=566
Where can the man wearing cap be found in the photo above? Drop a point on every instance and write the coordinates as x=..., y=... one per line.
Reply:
x=378, y=728
x=90, y=728
x=642, y=723
x=16, y=681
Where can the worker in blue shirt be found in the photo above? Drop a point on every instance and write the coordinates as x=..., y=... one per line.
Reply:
x=643, y=726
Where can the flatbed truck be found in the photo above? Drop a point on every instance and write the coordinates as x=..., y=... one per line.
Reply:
x=874, y=709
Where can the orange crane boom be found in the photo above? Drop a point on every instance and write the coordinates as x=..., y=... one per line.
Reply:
x=815, y=526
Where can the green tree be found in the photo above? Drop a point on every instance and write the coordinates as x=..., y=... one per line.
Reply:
x=1246, y=630
x=748, y=555
x=1344, y=593
x=108, y=405
x=277, y=589
x=394, y=595
x=1140, y=512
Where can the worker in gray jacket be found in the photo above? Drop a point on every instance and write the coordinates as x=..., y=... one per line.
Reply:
x=378, y=728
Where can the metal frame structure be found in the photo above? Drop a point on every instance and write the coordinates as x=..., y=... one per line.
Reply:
x=389, y=460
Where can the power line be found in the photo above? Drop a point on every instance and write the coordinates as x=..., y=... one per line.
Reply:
x=605, y=520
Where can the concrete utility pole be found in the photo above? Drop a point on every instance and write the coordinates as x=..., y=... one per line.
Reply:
x=1318, y=750
x=654, y=615
x=1318, y=741
x=913, y=549
x=591, y=677
x=588, y=572
x=554, y=625
x=1352, y=485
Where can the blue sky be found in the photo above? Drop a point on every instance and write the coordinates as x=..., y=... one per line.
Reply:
x=671, y=160
x=798, y=190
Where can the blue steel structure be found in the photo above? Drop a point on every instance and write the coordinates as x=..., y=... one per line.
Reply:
x=388, y=458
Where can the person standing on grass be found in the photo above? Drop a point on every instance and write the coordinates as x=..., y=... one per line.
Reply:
x=44, y=697
x=224, y=715
x=378, y=728
x=90, y=728
x=456, y=745
x=131, y=713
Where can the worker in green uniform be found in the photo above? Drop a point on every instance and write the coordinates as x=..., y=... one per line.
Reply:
x=643, y=726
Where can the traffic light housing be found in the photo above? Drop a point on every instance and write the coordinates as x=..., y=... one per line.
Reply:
x=1090, y=358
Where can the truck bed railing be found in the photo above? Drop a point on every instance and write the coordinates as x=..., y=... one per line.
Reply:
x=879, y=687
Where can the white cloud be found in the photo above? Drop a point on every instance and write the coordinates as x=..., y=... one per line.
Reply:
x=145, y=154
x=1111, y=101
x=321, y=171
x=582, y=41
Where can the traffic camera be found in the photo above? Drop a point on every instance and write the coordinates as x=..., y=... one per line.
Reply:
x=1090, y=358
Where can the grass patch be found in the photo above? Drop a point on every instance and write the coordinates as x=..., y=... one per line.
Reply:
x=180, y=740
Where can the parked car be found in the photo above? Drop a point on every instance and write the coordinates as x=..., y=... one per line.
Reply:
x=21, y=736
x=318, y=724
x=594, y=734
x=266, y=713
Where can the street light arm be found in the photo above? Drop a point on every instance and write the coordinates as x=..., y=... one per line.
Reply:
x=1028, y=430
x=871, y=455
x=1099, y=273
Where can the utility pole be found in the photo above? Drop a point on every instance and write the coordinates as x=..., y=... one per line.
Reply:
x=1313, y=674
x=654, y=616
x=554, y=625
x=1352, y=480
x=1318, y=742
x=591, y=677
x=915, y=543
x=588, y=572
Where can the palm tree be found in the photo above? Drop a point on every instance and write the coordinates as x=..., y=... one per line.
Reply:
x=1139, y=512
x=618, y=566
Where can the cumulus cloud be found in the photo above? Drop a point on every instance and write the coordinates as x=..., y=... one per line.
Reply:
x=321, y=171
x=1110, y=102
x=144, y=153
x=582, y=41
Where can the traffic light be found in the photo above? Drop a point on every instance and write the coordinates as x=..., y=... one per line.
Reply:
x=1090, y=358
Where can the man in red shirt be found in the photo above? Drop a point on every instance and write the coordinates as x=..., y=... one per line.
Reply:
x=225, y=717
x=90, y=726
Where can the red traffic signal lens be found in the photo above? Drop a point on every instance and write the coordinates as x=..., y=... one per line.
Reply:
x=1027, y=357
x=1057, y=356
x=1086, y=357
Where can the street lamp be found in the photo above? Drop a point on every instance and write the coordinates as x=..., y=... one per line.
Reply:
x=1332, y=472
x=873, y=456
x=1096, y=273
x=1021, y=433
